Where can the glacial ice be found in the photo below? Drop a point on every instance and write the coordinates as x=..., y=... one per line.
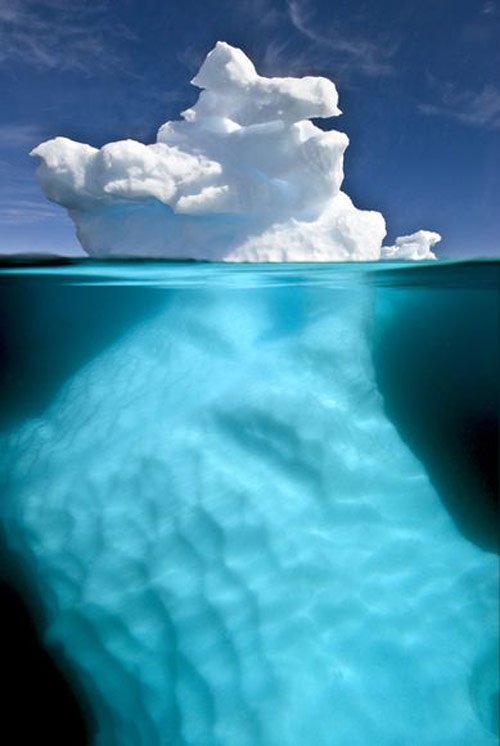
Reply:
x=244, y=176
x=234, y=546
x=417, y=246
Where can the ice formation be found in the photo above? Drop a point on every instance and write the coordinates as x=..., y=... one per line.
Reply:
x=233, y=544
x=417, y=246
x=244, y=176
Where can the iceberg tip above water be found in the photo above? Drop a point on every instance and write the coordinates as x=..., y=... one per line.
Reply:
x=243, y=176
x=417, y=246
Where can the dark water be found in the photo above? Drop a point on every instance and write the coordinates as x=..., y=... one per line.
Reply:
x=434, y=340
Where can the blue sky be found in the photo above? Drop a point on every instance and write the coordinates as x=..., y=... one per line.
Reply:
x=419, y=84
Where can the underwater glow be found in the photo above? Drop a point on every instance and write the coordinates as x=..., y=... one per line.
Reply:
x=232, y=542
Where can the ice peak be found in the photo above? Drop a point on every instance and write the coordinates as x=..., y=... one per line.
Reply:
x=243, y=176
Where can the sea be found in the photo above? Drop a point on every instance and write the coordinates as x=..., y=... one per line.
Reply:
x=249, y=504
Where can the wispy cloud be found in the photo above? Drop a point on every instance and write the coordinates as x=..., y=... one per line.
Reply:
x=63, y=34
x=281, y=57
x=23, y=136
x=20, y=198
x=263, y=14
x=489, y=8
x=23, y=211
x=369, y=56
x=474, y=108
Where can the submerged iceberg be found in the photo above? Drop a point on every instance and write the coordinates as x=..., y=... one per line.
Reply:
x=244, y=176
x=233, y=544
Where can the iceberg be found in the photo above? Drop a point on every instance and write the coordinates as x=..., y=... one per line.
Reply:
x=233, y=544
x=244, y=176
x=417, y=246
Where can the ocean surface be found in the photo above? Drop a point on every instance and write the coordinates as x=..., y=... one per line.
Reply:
x=250, y=505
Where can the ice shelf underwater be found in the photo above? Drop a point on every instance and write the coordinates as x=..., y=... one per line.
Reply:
x=244, y=176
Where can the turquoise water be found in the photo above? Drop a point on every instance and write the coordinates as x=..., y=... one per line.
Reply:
x=257, y=505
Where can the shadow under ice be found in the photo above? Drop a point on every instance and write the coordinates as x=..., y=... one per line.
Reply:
x=437, y=359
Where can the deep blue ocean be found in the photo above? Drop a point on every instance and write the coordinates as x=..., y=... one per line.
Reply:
x=250, y=505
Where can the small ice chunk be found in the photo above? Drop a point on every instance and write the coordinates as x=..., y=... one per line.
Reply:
x=416, y=246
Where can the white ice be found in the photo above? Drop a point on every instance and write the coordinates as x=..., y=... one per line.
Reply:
x=243, y=176
x=417, y=246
